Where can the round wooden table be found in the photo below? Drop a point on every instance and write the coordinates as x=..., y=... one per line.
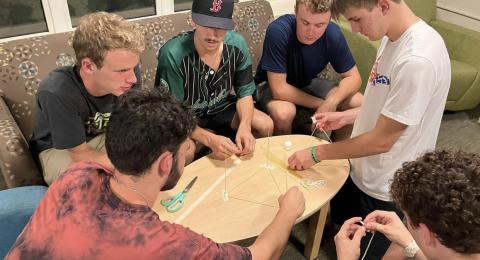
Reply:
x=253, y=184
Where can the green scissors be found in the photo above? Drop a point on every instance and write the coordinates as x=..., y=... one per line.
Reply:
x=175, y=203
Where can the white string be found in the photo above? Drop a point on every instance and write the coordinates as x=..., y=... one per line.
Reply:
x=368, y=246
x=325, y=133
x=225, y=180
x=330, y=140
x=268, y=147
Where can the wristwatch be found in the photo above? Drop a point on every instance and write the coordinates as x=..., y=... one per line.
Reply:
x=411, y=249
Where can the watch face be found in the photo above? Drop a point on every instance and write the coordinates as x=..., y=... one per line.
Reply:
x=411, y=249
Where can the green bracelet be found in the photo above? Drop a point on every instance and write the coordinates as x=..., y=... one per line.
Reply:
x=312, y=153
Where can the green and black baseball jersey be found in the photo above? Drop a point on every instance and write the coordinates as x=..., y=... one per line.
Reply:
x=181, y=71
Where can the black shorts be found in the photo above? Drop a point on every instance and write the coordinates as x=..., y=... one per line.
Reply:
x=350, y=202
x=220, y=123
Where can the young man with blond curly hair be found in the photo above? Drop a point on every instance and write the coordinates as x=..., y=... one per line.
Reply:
x=74, y=103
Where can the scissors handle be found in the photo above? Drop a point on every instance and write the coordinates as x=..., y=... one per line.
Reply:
x=174, y=203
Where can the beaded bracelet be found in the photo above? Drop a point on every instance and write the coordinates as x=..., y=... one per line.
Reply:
x=312, y=153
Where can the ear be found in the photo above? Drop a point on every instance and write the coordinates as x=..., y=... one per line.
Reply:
x=428, y=236
x=88, y=66
x=164, y=164
x=194, y=25
x=384, y=6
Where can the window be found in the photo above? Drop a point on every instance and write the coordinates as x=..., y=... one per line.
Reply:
x=127, y=9
x=26, y=17
x=19, y=17
x=182, y=5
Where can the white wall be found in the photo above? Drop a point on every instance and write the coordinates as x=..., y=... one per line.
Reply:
x=462, y=12
x=281, y=7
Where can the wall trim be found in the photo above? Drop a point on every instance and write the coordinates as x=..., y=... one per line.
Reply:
x=458, y=12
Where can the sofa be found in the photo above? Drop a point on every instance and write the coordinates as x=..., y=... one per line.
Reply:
x=24, y=63
x=463, y=48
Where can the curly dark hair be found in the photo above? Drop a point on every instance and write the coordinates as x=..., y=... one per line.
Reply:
x=143, y=125
x=441, y=189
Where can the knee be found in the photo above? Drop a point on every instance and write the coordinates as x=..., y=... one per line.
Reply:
x=266, y=127
x=283, y=117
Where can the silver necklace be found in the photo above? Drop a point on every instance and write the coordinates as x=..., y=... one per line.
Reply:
x=131, y=188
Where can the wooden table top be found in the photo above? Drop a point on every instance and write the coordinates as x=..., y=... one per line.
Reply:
x=253, y=184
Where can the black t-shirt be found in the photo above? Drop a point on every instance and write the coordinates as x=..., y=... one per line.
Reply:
x=67, y=115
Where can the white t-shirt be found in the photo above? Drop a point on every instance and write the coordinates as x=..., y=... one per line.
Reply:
x=409, y=83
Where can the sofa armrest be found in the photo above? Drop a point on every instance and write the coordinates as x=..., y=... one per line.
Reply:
x=462, y=43
x=17, y=167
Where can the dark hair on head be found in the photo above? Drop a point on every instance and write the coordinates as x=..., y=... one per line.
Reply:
x=442, y=190
x=143, y=125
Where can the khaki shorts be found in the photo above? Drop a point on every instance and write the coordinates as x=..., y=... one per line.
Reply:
x=54, y=161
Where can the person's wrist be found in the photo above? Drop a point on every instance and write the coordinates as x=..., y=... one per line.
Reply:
x=345, y=256
x=313, y=154
x=411, y=249
x=333, y=101
x=289, y=214
x=403, y=240
x=210, y=139
x=245, y=125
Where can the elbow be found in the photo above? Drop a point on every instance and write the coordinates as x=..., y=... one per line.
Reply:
x=278, y=93
x=359, y=82
x=356, y=80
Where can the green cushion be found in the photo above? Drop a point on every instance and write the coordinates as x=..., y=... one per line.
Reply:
x=463, y=76
x=462, y=43
x=363, y=50
x=463, y=47
x=425, y=9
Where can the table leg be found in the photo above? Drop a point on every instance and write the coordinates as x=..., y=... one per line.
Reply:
x=315, y=232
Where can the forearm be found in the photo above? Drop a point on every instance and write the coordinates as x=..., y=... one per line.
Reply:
x=379, y=140
x=294, y=95
x=360, y=146
x=347, y=87
x=202, y=135
x=245, y=112
x=271, y=242
x=350, y=115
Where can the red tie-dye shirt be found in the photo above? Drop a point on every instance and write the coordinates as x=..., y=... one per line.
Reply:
x=81, y=218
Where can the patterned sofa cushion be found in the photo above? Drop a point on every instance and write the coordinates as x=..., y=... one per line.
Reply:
x=24, y=63
x=17, y=166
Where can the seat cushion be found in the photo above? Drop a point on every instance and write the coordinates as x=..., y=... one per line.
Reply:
x=463, y=76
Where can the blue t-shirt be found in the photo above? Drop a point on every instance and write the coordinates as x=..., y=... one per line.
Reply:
x=283, y=53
